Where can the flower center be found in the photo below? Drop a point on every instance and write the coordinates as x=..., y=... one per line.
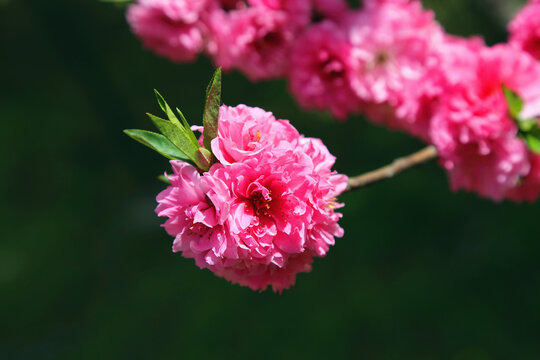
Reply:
x=260, y=199
x=380, y=59
x=253, y=139
x=332, y=68
x=198, y=228
x=269, y=41
x=257, y=136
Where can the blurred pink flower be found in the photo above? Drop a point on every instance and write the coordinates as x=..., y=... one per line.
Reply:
x=451, y=61
x=260, y=217
x=256, y=41
x=393, y=44
x=171, y=28
x=472, y=130
x=525, y=29
x=319, y=70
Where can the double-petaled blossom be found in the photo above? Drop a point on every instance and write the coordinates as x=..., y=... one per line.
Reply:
x=320, y=66
x=475, y=135
x=254, y=40
x=262, y=212
x=393, y=44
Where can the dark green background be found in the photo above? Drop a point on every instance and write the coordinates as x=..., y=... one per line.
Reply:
x=86, y=272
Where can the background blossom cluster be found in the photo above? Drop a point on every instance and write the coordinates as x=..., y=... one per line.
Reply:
x=389, y=60
x=264, y=210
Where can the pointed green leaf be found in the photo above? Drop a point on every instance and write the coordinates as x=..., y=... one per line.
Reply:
x=164, y=179
x=533, y=142
x=156, y=142
x=177, y=135
x=166, y=108
x=211, y=109
x=192, y=136
x=515, y=103
x=182, y=118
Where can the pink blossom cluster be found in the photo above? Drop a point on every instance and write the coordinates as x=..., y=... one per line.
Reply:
x=389, y=60
x=253, y=36
x=264, y=210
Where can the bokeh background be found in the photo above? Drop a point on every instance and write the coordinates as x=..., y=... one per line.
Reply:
x=86, y=272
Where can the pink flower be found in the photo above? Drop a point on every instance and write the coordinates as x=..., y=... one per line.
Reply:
x=171, y=28
x=393, y=46
x=525, y=29
x=320, y=67
x=258, y=218
x=256, y=41
x=474, y=134
x=452, y=60
x=193, y=218
x=490, y=168
x=247, y=131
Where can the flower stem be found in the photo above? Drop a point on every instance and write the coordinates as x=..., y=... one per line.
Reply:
x=389, y=171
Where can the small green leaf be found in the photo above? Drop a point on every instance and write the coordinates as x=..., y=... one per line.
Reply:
x=164, y=179
x=515, y=103
x=166, y=109
x=211, y=109
x=192, y=136
x=156, y=142
x=527, y=124
x=533, y=142
x=177, y=135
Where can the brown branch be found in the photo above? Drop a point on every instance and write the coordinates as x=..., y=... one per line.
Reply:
x=389, y=171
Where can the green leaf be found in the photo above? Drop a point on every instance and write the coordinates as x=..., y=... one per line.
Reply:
x=527, y=124
x=515, y=103
x=156, y=142
x=164, y=179
x=167, y=109
x=533, y=142
x=192, y=136
x=177, y=135
x=211, y=109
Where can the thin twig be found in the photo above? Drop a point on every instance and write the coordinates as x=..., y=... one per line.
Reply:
x=389, y=171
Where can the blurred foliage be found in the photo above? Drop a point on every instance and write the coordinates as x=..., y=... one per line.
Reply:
x=86, y=272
